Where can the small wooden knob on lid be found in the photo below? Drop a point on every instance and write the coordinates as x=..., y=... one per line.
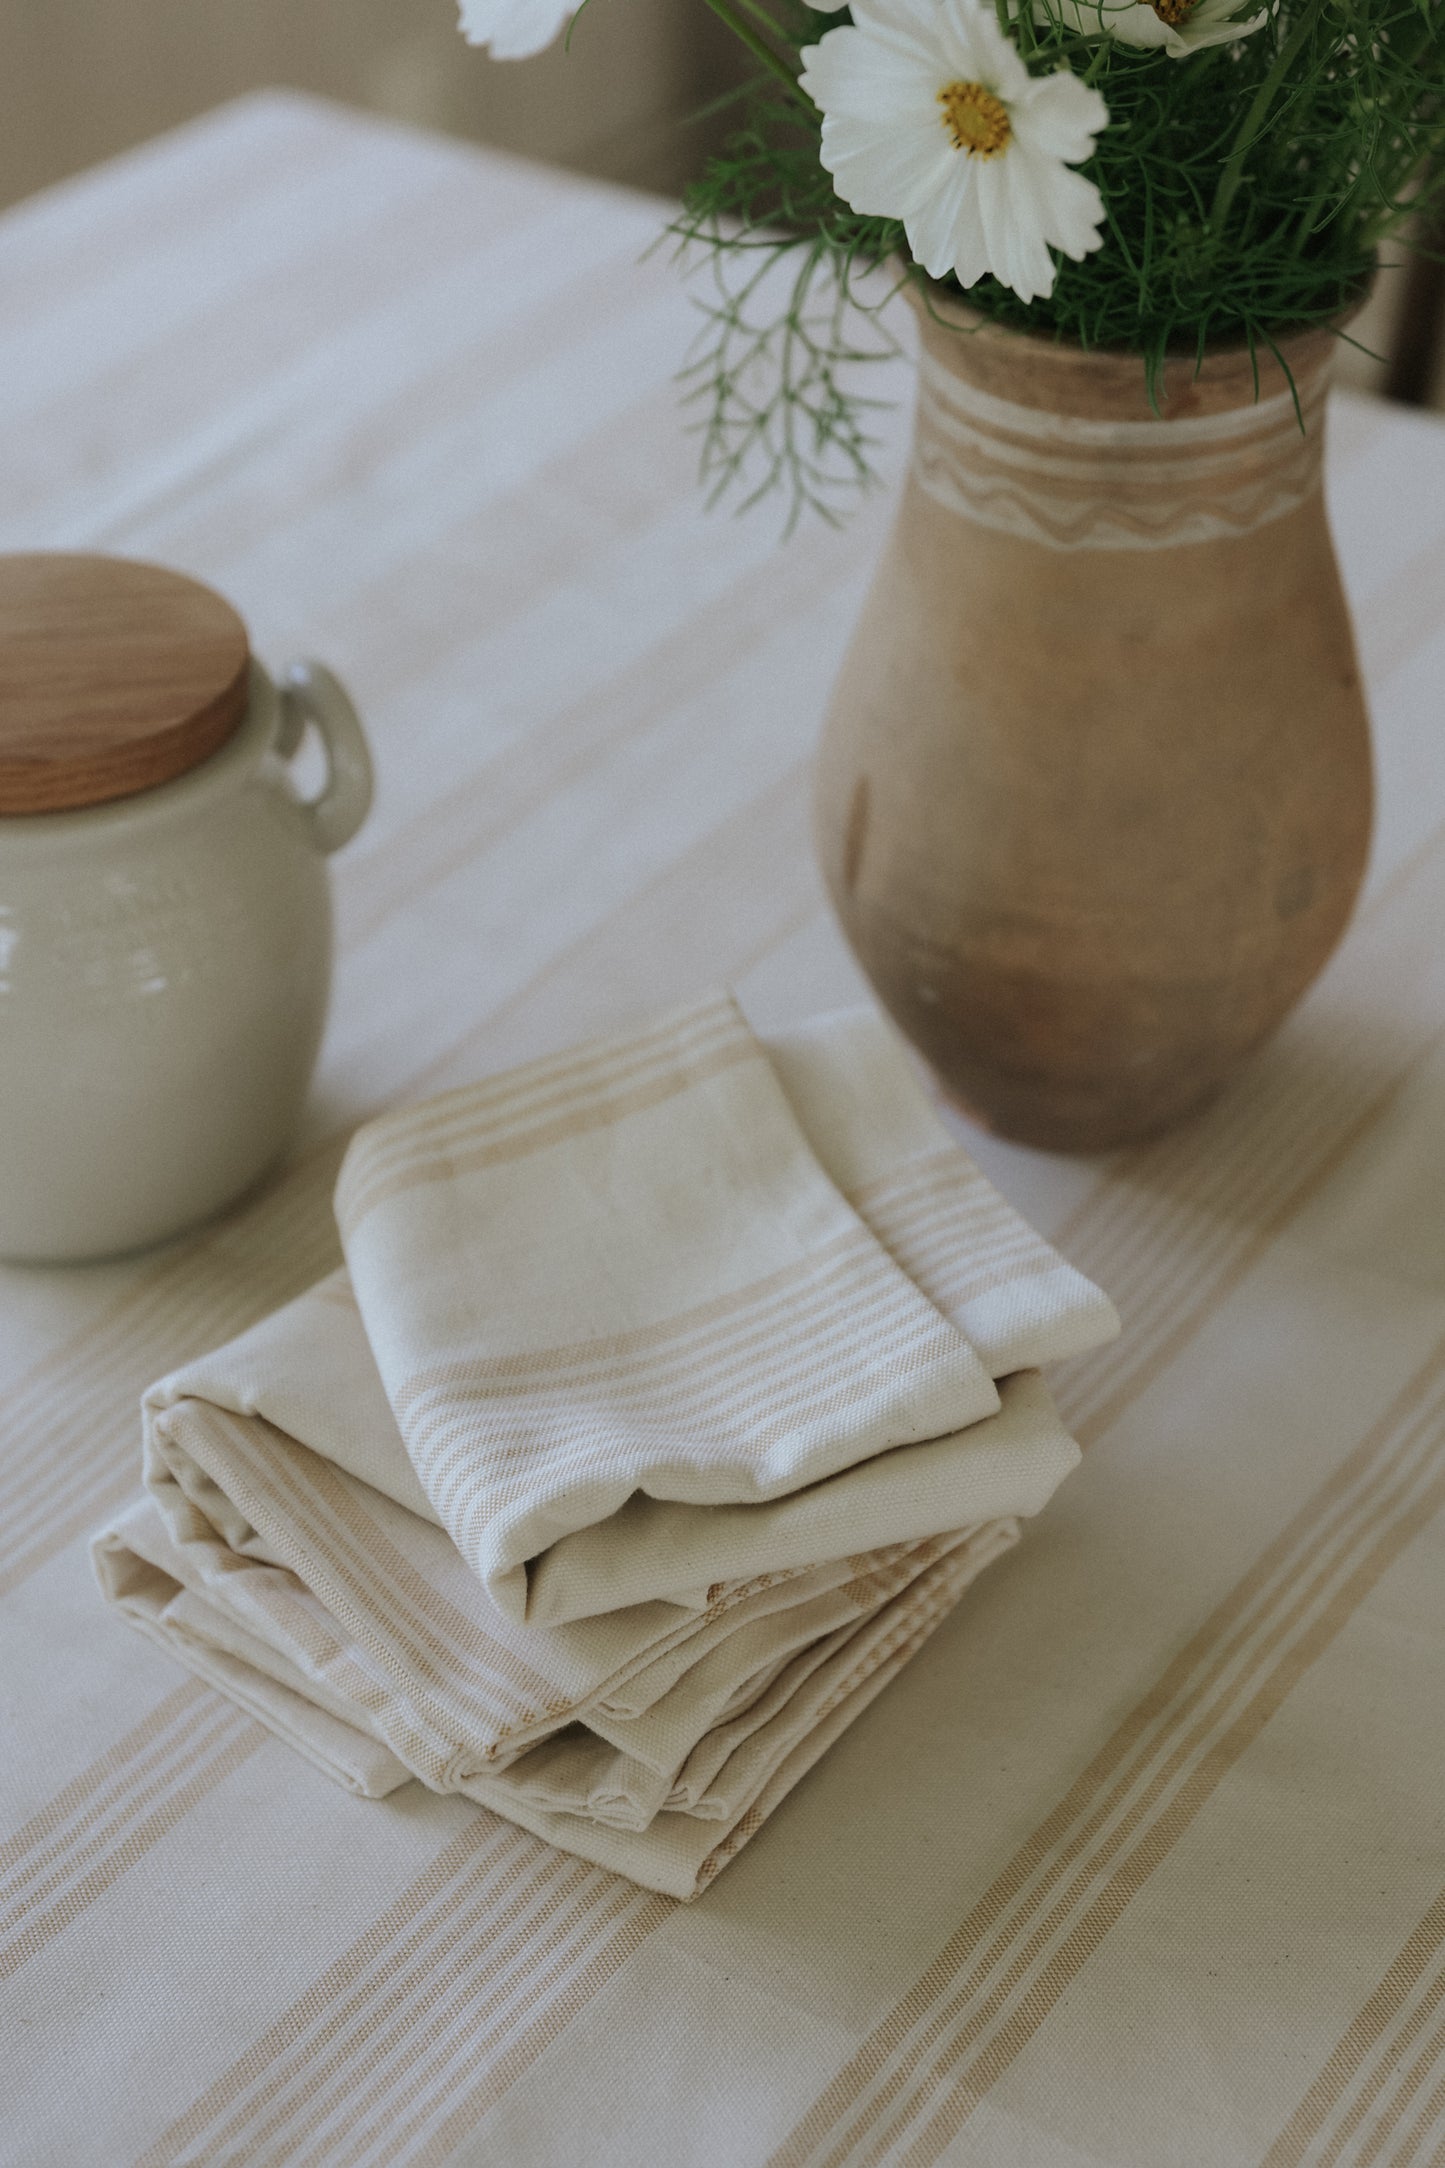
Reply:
x=114, y=677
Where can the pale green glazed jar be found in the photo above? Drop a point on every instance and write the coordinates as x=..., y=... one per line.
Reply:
x=165, y=963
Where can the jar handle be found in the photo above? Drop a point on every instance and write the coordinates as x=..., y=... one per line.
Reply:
x=311, y=694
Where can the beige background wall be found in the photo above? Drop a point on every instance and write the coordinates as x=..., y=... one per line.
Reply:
x=82, y=79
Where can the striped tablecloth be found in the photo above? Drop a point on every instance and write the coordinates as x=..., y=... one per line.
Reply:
x=1141, y=1861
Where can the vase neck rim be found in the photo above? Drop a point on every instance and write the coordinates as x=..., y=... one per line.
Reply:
x=1106, y=384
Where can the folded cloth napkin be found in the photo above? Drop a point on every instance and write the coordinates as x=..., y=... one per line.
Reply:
x=673, y=1392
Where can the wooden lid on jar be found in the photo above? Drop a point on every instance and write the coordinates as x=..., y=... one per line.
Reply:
x=114, y=677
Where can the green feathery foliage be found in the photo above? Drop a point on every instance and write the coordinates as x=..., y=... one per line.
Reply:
x=1246, y=191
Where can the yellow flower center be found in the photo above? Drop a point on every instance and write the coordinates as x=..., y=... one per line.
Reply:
x=1173, y=12
x=977, y=120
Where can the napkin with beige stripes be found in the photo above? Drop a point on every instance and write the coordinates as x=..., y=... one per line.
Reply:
x=674, y=1391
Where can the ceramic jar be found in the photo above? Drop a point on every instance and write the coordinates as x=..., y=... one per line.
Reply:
x=1094, y=793
x=165, y=959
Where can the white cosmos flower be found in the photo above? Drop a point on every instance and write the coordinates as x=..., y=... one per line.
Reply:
x=515, y=29
x=930, y=116
x=1179, y=26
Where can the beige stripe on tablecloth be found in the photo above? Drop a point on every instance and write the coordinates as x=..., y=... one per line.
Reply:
x=99, y=1826
x=552, y=1898
x=1409, y=2112
x=759, y=602
x=660, y=942
x=918, y=2077
x=491, y=1951
x=1427, y=2120
x=1228, y=1185
x=1368, y=2059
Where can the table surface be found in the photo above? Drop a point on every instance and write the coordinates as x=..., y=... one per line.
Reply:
x=1141, y=1861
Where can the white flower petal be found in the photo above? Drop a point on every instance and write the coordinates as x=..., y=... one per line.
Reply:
x=1062, y=116
x=1013, y=219
x=912, y=21
x=1192, y=38
x=970, y=251
x=936, y=230
x=847, y=72
x=1134, y=22
x=972, y=45
x=886, y=175
x=1140, y=26
x=1217, y=22
x=1074, y=215
x=514, y=29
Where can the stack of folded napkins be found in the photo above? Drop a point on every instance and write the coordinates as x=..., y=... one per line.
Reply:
x=650, y=1429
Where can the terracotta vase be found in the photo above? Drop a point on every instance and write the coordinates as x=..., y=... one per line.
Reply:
x=1094, y=792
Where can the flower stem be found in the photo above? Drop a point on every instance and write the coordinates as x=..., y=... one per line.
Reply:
x=1257, y=115
x=761, y=50
x=761, y=15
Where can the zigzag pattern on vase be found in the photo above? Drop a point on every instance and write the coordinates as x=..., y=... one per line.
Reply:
x=1071, y=483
